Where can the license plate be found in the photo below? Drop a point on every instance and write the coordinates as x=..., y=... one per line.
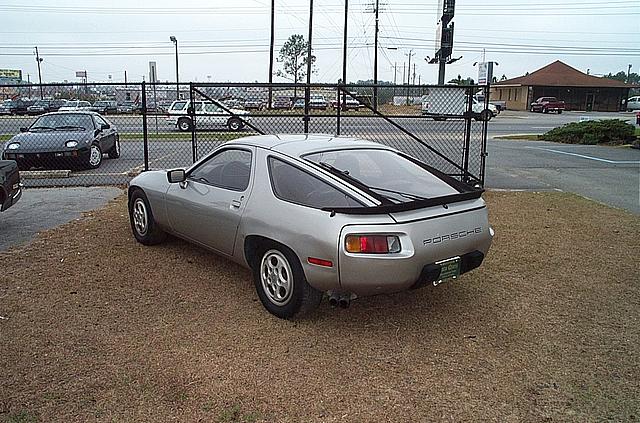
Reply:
x=449, y=269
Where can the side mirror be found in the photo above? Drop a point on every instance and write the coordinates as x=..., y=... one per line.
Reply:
x=175, y=176
x=23, y=129
x=105, y=126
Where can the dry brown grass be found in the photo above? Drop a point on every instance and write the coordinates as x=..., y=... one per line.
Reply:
x=100, y=328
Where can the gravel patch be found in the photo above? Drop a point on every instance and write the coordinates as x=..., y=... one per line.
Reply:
x=95, y=327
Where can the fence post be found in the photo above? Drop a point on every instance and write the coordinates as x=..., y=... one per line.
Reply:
x=338, y=107
x=467, y=134
x=191, y=110
x=307, y=98
x=145, y=140
x=485, y=125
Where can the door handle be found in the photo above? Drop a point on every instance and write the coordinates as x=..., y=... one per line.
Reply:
x=236, y=204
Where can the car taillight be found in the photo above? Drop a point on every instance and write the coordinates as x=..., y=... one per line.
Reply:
x=372, y=244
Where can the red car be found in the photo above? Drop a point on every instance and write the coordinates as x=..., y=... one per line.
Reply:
x=547, y=104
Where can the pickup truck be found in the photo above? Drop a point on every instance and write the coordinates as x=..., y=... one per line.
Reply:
x=547, y=104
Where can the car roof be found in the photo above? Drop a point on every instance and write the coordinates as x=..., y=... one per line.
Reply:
x=302, y=144
x=73, y=112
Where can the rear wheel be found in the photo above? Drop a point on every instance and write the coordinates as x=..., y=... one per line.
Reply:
x=184, y=124
x=234, y=124
x=281, y=284
x=544, y=110
x=559, y=112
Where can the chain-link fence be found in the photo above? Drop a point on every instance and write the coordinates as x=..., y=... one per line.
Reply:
x=104, y=134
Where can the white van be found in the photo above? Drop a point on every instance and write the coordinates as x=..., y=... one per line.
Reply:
x=633, y=103
x=442, y=101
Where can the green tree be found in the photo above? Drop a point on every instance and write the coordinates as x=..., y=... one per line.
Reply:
x=460, y=81
x=293, y=56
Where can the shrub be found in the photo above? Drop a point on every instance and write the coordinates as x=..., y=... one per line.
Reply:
x=610, y=131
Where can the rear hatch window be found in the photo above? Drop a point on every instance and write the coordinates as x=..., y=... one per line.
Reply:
x=386, y=173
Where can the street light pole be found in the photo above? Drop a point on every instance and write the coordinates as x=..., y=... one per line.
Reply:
x=271, y=47
x=175, y=41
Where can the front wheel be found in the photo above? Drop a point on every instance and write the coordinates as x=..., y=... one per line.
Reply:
x=144, y=227
x=95, y=157
x=545, y=110
x=281, y=284
x=559, y=112
x=114, y=153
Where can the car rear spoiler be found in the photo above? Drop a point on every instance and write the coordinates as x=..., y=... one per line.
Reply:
x=411, y=205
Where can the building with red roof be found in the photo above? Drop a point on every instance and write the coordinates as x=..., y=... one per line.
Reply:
x=578, y=90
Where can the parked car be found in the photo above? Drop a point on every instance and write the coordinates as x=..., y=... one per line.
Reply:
x=125, y=107
x=45, y=106
x=633, y=103
x=70, y=138
x=318, y=102
x=208, y=114
x=164, y=105
x=547, y=104
x=104, y=107
x=298, y=104
x=281, y=102
x=254, y=104
x=348, y=103
x=500, y=105
x=15, y=107
x=361, y=218
x=10, y=186
x=75, y=106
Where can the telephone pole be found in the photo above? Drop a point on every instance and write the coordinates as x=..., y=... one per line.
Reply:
x=411, y=53
x=38, y=60
x=273, y=5
x=307, y=91
x=375, y=60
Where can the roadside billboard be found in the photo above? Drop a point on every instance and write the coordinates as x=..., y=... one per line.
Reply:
x=11, y=74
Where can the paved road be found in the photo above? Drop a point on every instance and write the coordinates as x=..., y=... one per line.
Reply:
x=45, y=208
x=508, y=122
x=610, y=175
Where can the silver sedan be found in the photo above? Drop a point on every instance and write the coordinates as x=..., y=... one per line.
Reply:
x=315, y=214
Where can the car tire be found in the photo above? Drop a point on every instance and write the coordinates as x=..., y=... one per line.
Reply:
x=234, y=124
x=559, y=112
x=114, y=153
x=281, y=284
x=544, y=110
x=144, y=227
x=95, y=157
x=486, y=115
x=184, y=124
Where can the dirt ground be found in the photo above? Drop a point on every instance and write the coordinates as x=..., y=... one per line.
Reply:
x=95, y=327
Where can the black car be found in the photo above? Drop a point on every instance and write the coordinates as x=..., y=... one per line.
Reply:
x=45, y=106
x=78, y=139
x=105, y=107
x=10, y=186
x=15, y=107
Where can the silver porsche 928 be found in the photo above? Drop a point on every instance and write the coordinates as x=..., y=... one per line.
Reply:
x=311, y=214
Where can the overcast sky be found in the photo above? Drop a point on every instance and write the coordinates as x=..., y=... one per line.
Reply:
x=222, y=40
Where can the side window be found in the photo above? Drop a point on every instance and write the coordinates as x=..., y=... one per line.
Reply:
x=229, y=169
x=297, y=186
x=99, y=121
x=212, y=108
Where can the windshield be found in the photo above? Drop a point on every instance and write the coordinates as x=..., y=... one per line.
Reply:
x=384, y=172
x=41, y=103
x=63, y=122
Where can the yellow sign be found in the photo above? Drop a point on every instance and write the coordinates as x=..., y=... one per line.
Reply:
x=11, y=73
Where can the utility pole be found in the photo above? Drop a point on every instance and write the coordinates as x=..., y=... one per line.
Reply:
x=629, y=74
x=125, y=78
x=29, y=84
x=307, y=91
x=344, y=54
x=395, y=71
x=38, y=60
x=174, y=40
x=414, y=74
x=375, y=60
x=272, y=45
x=411, y=53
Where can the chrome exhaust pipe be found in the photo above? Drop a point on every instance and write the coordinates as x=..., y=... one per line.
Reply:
x=334, y=299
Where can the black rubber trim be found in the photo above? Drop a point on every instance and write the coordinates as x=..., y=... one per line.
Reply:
x=412, y=205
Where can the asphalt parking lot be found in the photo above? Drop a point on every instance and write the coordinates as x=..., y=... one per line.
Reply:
x=45, y=208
